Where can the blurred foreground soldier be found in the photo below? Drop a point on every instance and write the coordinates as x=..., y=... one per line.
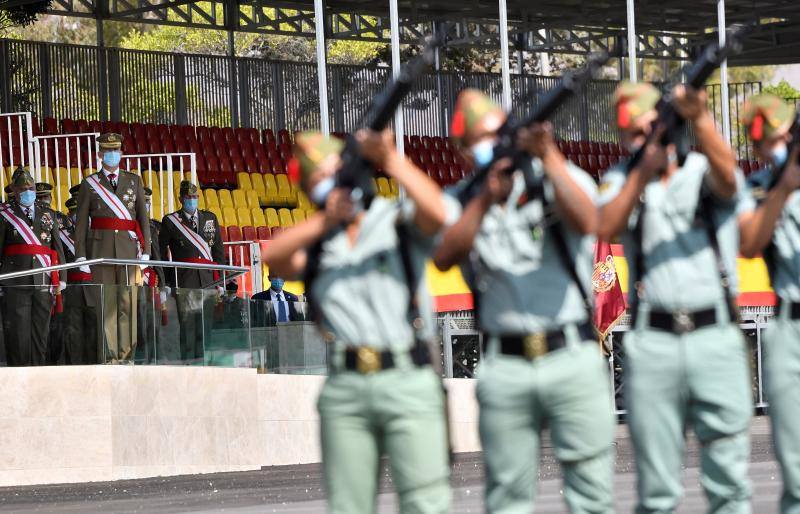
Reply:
x=29, y=240
x=192, y=235
x=382, y=395
x=686, y=359
x=153, y=302
x=81, y=299
x=543, y=366
x=772, y=228
x=112, y=222
x=55, y=342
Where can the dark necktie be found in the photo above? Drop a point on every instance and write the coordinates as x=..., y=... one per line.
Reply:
x=282, y=318
x=112, y=177
x=194, y=223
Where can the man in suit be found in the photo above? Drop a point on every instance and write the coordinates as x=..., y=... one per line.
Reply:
x=192, y=235
x=29, y=240
x=282, y=306
x=112, y=222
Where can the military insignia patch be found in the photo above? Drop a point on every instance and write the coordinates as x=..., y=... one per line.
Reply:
x=604, y=275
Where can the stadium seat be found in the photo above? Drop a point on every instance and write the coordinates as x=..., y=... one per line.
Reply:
x=218, y=213
x=271, y=187
x=263, y=233
x=302, y=200
x=212, y=200
x=252, y=199
x=257, y=181
x=234, y=234
x=225, y=199
x=384, y=189
x=249, y=233
x=272, y=217
x=223, y=233
x=229, y=216
x=396, y=189
x=243, y=215
x=285, y=217
x=298, y=215
x=602, y=162
x=284, y=190
x=239, y=198
x=257, y=215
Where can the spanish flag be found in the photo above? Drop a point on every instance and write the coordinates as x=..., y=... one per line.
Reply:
x=609, y=302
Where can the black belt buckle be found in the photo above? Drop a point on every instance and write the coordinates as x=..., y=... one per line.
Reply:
x=682, y=322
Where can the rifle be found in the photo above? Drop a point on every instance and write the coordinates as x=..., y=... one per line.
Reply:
x=506, y=146
x=697, y=73
x=355, y=172
x=794, y=131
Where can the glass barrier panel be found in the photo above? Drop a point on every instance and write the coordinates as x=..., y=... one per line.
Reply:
x=226, y=329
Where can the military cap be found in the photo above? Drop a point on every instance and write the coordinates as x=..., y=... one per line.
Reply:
x=311, y=149
x=43, y=189
x=71, y=204
x=110, y=141
x=634, y=100
x=74, y=190
x=22, y=179
x=767, y=115
x=18, y=171
x=472, y=109
x=8, y=190
x=187, y=188
x=148, y=192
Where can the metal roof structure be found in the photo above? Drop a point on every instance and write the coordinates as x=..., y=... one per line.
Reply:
x=667, y=29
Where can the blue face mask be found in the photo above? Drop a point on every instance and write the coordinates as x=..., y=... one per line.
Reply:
x=319, y=194
x=276, y=283
x=112, y=158
x=483, y=152
x=26, y=198
x=190, y=205
x=779, y=155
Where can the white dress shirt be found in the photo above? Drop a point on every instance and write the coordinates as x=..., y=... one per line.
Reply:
x=276, y=297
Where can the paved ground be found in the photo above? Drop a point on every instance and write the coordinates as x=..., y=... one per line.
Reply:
x=298, y=489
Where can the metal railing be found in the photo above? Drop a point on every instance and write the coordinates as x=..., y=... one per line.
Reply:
x=16, y=143
x=162, y=162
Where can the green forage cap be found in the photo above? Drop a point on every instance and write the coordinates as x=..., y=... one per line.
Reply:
x=474, y=109
x=110, y=141
x=22, y=179
x=72, y=204
x=311, y=149
x=767, y=115
x=43, y=189
x=187, y=188
x=634, y=100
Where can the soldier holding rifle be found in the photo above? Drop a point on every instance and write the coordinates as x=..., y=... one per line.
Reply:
x=687, y=361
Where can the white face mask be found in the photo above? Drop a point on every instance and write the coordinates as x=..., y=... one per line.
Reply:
x=319, y=195
x=779, y=154
x=483, y=152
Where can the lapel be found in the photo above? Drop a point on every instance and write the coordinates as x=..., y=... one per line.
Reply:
x=107, y=183
x=188, y=222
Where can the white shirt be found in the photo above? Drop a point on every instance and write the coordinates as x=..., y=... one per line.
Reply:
x=115, y=173
x=276, y=297
x=192, y=217
x=32, y=211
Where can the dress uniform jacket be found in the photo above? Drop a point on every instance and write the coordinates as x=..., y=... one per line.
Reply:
x=155, y=250
x=91, y=243
x=181, y=249
x=45, y=226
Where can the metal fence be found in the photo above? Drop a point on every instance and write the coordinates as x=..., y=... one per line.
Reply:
x=80, y=82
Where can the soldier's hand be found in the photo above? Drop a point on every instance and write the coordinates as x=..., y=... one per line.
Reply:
x=339, y=208
x=790, y=180
x=498, y=181
x=376, y=147
x=689, y=102
x=537, y=140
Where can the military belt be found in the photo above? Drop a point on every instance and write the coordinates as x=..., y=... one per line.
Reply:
x=366, y=359
x=792, y=309
x=533, y=346
x=682, y=321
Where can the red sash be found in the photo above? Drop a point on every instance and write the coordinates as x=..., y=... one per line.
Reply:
x=200, y=260
x=24, y=249
x=76, y=277
x=118, y=224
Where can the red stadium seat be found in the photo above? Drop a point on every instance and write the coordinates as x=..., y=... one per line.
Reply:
x=276, y=231
x=602, y=162
x=263, y=233
x=613, y=160
x=223, y=232
x=594, y=148
x=584, y=147
x=613, y=149
x=50, y=126
x=416, y=142
x=284, y=138
x=249, y=233
x=234, y=233
x=591, y=164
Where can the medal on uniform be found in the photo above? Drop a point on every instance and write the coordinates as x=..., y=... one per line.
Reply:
x=209, y=230
x=47, y=221
x=44, y=237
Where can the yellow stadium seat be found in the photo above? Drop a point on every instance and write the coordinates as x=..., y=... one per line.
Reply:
x=225, y=199
x=177, y=177
x=252, y=199
x=239, y=198
x=298, y=215
x=257, y=180
x=218, y=213
x=201, y=202
x=302, y=200
x=285, y=216
x=271, y=189
x=244, y=181
x=62, y=176
x=384, y=189
x=285, y=194
x=229, y=215
x=272, y=217
x=75, y=175
x=394, y=187
x=156, y=212
x=150, y=179
x=258, y=217
x=46, y=175
x=88, y=171
x=243, y=214
x=211, y=197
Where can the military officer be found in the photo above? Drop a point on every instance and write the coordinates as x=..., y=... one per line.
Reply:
x=29, y=240
x=112, y=222
x=543, y=366
x=81, y=298
x=361, y=265
x=772, y=227
x=192, y=235
x=153, y=302
x=687, y=361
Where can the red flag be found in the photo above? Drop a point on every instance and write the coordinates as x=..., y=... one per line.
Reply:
x=609, y=302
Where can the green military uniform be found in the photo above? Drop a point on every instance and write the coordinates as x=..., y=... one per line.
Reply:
x=522, y=288
x=679, y=374
x=28, y=301
x=195, y=309
x=779, y=342
x=99, y=234
x=81, y=298
x=150, y=304
x=362, y=303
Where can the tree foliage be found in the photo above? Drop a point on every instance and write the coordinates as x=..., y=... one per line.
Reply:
x=22, y=15
x=782, y=89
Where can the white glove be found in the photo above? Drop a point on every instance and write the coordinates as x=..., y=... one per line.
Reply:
x=163, y=296
x=62, y=286
x=84, y=269
x=144, y=257
x=220, y=291
x=166, y=290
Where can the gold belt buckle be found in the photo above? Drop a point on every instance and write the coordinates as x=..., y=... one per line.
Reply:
x=535, y=345
x=368, y=360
